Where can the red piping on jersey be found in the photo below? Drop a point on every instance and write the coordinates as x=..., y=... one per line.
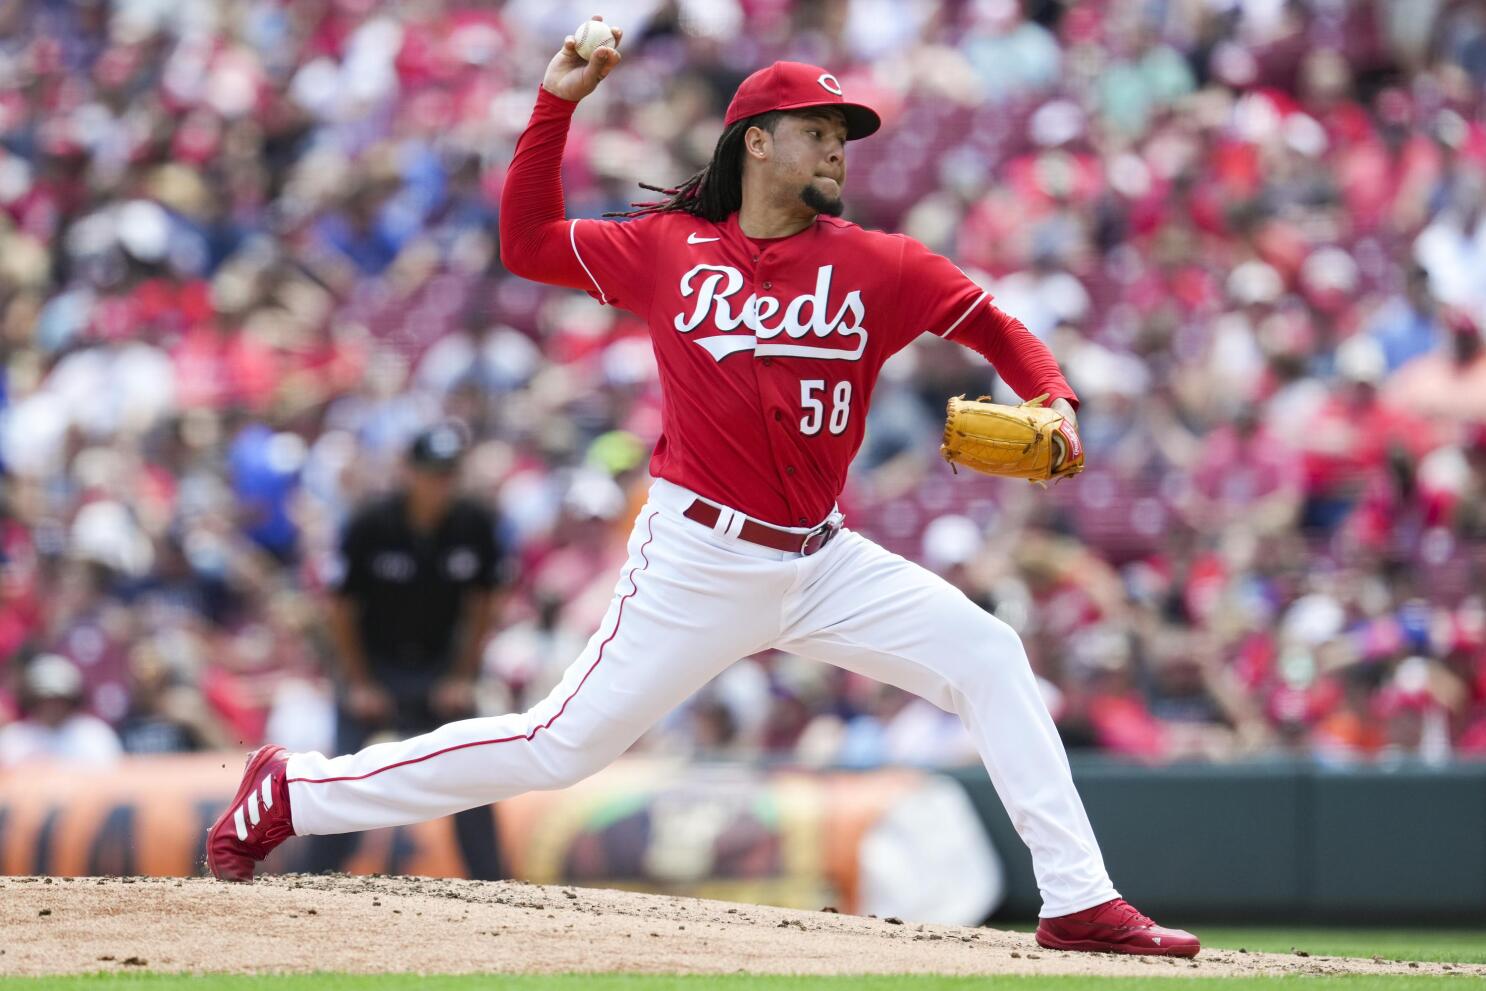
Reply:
x=634, y=587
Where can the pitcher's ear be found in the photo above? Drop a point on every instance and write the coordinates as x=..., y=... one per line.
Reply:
x=757, y=142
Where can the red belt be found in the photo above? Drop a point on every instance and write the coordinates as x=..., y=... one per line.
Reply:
x=769, y=536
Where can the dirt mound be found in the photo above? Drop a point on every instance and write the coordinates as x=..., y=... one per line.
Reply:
x=378, y=924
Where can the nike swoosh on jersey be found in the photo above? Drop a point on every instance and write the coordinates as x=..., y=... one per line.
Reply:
x=693, y=239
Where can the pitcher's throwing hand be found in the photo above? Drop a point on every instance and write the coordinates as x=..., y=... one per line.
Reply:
x=571, y=77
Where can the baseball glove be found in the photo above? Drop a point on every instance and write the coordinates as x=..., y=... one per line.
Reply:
x=1027, y=441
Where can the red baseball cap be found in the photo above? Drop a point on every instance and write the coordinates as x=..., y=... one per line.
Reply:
x=795, y=86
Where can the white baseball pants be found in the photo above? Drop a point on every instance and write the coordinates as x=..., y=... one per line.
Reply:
x=690, y=601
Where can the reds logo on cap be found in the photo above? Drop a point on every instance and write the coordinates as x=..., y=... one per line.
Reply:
x=795, y=86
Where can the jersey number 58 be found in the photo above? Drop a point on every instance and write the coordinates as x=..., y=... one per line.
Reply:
x=815, y=409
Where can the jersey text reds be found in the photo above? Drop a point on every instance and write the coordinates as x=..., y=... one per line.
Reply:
x=804, y=315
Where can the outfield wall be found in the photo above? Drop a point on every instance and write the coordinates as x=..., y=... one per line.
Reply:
x=1261, y=842
x=1275, y=842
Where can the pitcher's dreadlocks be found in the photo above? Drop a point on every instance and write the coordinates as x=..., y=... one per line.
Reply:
x=715, y=191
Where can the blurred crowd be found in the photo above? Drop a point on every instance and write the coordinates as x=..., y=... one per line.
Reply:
x=247, y=252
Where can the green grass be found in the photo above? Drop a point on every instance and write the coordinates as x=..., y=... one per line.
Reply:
x=1447, y=945
x=1442, y=945
x=740, y=982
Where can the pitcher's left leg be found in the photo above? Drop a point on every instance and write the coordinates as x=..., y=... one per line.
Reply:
x=862, y=608
x=870, y=611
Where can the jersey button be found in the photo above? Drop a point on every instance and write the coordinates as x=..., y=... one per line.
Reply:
x=778, y=416
x=755, y=257
x=804, y=522
x=768, y=361
x=768, y=285
x=789, y=469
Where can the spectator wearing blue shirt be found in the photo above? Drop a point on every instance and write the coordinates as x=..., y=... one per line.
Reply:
x=1408, y=325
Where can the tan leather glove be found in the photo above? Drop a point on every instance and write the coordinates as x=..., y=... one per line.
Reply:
x=1027, y=441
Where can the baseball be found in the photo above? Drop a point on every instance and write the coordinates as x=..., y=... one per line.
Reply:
x=591, y=36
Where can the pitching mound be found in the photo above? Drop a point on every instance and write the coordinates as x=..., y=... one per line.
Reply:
x=375, y=924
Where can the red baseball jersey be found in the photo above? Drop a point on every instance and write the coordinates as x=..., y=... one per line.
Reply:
x=768, y=349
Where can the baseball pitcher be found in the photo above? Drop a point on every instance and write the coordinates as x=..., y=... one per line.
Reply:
x=771, y=318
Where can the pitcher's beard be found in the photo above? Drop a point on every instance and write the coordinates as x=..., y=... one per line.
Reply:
x=821, y=203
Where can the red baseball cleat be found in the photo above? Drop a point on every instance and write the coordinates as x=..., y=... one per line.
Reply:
x=1114, y=927
x=256, y=821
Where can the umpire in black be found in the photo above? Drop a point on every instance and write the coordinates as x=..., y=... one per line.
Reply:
x=422, y=569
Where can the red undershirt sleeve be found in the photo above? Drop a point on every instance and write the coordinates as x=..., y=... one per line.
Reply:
x=955, y=308
x=1024, y=362
x=535, y=237
x=609, y=260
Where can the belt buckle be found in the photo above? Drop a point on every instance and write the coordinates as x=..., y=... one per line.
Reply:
x=824, y=533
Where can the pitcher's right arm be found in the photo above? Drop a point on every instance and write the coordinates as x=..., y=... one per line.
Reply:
x=535, y=236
